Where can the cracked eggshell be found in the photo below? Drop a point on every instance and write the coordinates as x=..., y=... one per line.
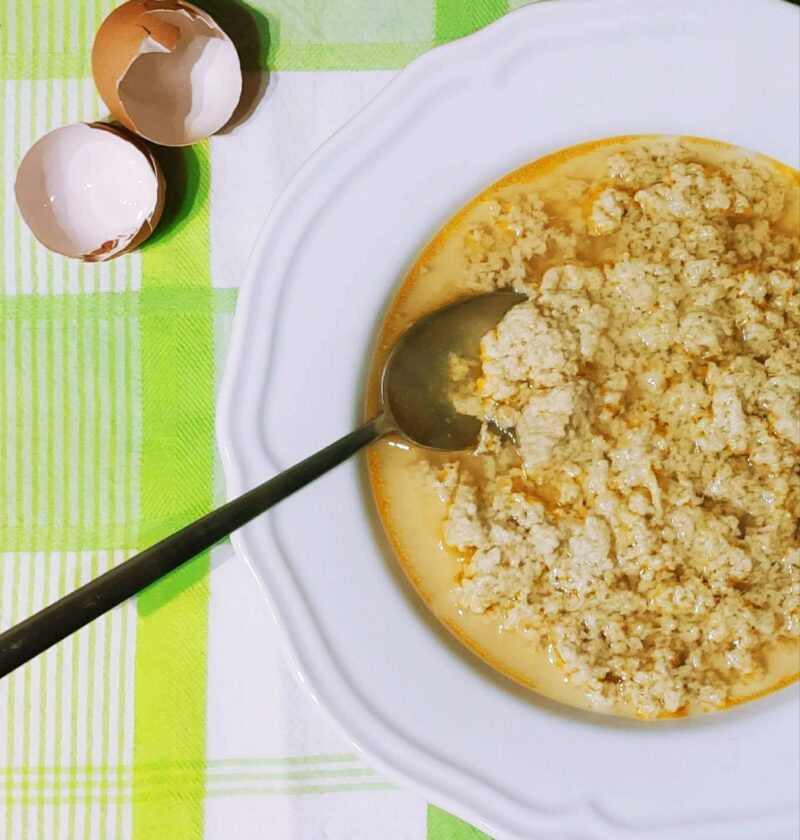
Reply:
x=90, y=191
x=166, y=70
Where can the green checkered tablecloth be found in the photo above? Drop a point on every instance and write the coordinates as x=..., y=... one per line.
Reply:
x=108, y=374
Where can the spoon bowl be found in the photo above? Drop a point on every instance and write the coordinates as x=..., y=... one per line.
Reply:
x=416, y=385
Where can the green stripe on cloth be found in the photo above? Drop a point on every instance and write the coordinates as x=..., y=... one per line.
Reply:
x=455, y=18
x=109, y=784
x=159, y=797
x=269, y=34
x=444, y=826
x=99, y=305
x=176, y=475
x=345, y=56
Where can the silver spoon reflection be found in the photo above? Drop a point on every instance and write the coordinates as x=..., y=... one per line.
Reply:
x=415, y=404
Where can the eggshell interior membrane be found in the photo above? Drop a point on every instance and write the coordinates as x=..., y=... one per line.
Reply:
x=86, y=191
x=184, y=80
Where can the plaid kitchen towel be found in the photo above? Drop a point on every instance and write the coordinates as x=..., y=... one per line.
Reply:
x=174, y=716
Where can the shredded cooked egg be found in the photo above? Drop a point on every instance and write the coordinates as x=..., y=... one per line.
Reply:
x=633, y=505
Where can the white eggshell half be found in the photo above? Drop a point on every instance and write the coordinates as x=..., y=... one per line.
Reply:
x=87, y=191
x=174, y=91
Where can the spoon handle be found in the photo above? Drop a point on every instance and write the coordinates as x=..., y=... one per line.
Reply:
x=35, y=634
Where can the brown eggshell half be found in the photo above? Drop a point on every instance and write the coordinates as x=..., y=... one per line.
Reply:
x=70, y=203
x=133, y=34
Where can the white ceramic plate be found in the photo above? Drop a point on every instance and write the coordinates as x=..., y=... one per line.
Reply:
x=323, y=271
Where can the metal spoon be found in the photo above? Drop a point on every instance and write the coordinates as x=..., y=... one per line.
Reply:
x=415, y=404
